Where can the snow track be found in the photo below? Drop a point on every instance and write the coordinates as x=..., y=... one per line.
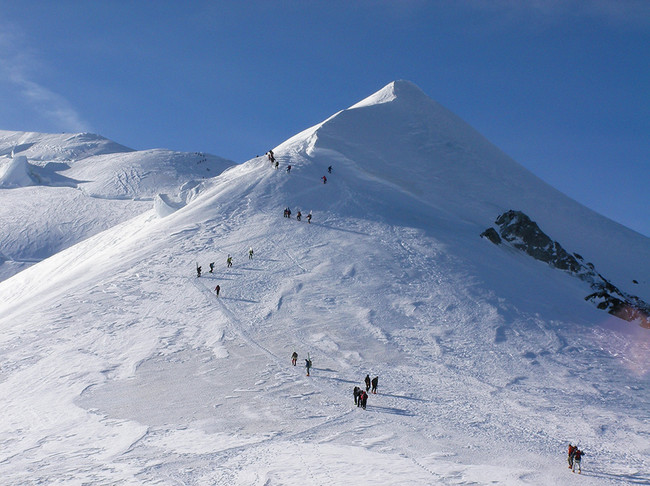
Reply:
x=233, y=324
x=119, y=366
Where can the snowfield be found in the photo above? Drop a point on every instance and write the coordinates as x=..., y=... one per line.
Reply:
x=64, y=188
x=119, y=366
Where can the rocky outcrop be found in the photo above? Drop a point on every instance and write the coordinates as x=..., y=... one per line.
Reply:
x=524, y=234
x=519, y=231
x=492, y=235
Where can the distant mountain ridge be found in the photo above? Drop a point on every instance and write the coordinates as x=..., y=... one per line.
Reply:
x=55, y=147
x=58, y=189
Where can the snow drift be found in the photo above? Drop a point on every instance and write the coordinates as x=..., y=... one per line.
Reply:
x=14, y=172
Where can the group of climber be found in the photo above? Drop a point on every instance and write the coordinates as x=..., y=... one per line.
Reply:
x=294, y=360
x=274, y=163
x=361, y=395
x=287, y=214
x=361, y=400
x=217, y=289
x=324, y=178
x=271, y=157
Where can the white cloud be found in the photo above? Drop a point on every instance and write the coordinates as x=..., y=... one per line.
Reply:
x=20, y=69
x=48, y=104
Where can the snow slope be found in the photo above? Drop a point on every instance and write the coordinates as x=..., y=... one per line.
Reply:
x=119, y=366
x=58, y=147
x=58, y=189
x=443, y=162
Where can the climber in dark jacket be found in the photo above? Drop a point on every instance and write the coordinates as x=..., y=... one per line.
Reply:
x=356, y=392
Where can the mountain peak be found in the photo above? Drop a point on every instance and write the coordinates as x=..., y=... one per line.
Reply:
x=402, y=90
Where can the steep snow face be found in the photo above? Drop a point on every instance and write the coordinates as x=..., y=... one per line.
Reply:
x=14, y=172
x=403, y=140
x=388, y=94
x=401, y=136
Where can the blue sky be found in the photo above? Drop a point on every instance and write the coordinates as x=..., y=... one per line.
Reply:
x=561, y=86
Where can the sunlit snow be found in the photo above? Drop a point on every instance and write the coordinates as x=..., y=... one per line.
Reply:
x=118, y=365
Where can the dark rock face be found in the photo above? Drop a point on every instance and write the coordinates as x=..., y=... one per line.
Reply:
x=522, y=233
x=492, y=235
x=525, y=235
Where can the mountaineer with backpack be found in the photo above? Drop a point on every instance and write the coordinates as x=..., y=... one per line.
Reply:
x=572, y=450
x=363, y=399
x=577, y=458
x=356, y=392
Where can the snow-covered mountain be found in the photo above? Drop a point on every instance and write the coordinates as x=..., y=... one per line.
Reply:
x=59, y=189
x=57, y=147
x=119, y=365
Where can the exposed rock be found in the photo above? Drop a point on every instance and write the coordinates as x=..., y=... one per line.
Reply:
x=522, y=233
x=492, y=235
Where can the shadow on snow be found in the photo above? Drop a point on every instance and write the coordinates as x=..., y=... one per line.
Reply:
x=623, y=478
x=391, y=410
